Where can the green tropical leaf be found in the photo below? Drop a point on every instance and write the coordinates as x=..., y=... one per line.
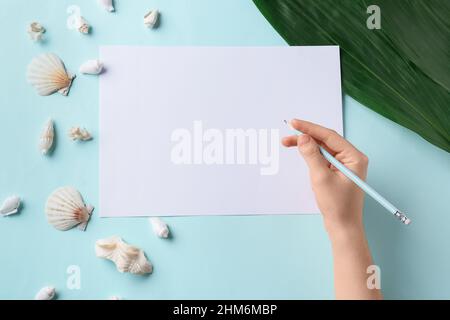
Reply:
x=401, y=71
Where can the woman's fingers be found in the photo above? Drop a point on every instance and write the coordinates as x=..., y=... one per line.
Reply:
x=330, y=138
x=309, y=149
x=343, y=150
x=290, y=141
x=317, y=164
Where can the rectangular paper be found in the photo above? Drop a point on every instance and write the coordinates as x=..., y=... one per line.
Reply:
x=196, y=130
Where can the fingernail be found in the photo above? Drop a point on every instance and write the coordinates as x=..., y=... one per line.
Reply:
x=303, y=139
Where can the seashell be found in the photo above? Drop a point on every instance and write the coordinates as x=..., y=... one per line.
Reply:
x=107, y=4
x=91, y=67
x=127, y=258
x=151, y=18
x=10, y=206
x=65, y=209
x=36, y=31
x=77, y=133
x=47, y=137
x=159, y=227
x=46, y=293
x=82, y=25
x=115, y=298
x=48, y=75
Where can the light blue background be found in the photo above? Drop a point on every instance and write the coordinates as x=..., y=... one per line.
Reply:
x=209, y=257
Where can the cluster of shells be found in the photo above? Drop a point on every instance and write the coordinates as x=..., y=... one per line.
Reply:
x=65, y=207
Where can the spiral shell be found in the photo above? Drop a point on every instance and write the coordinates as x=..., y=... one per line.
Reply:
x=47, y=137
x=36, y=31
x=151, y=19
x=107, y=5
x=91, y=67
x=159, y=227
x=10, y=206
x=127, y=258
x=46, y=293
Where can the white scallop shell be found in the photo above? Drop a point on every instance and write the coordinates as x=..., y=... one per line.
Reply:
x=127, y=258
x=151, y=18
x=10, y=206
x=47, y=137
x=65, y=209
x=48, y=75
x=107, y=4
x=91, y=67
x=36, y=31
x=46, y=293
x=159, y=227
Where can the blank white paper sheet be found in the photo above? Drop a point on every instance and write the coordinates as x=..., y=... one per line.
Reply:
x=197, y=130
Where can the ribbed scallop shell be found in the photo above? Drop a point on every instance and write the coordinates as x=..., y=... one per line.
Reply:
x=65, y=209
x=48, y=75
x=127, y=258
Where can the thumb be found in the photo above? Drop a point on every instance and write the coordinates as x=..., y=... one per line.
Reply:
x=309, y=149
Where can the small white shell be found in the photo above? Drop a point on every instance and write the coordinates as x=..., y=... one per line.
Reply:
x=91, y=67
x=36, y=31
x=65, y=209
x=47, y=137
x=107, y=4
x=80, y=134
x=159, y=227
x=151, y=18
x=10, y=206
x=127, y=258
x=46, y=293
x=115, y=298
x=82, y=25
x=48, y=75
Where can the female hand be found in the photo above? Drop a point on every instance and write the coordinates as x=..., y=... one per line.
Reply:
x=339, y=199
x=341, y=203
